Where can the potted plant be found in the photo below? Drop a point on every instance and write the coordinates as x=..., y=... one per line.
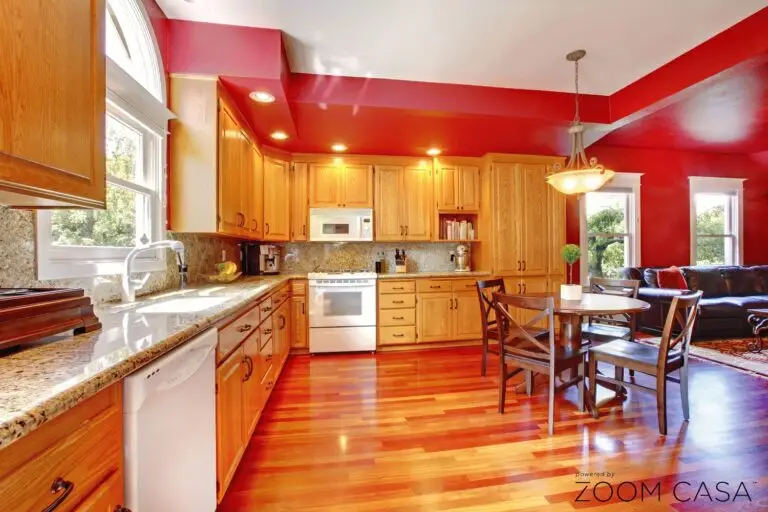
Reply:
x=570, y=291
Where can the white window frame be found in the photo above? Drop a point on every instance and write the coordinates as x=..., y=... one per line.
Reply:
x=131, y=103
x=621, y=182
x=729, y=186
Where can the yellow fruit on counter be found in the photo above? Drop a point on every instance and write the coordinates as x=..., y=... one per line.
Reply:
x=226, y=268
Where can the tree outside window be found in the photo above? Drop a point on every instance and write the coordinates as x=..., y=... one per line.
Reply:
x=607, y=233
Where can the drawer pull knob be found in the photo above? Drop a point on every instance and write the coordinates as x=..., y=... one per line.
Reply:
x=120, y=508
x=268, y=358
x=398, y=335
x=267, y=331
x=398, y=318
x=266, y=309
x=398, y=288
x=398, y=302
x=244, y=328
x=435, y=286
x=61, y=487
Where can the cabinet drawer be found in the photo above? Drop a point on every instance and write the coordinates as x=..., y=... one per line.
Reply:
x=433, y=285
x=266, y=330
x=397, y=335
x=231, y=335
x=392, y=317
x=279, y=296
x=265, y=307
x=268, y=382
x=401, y=300
x=464, y=285
x=298, y=288
x=397, y=286
x=108, y=497
x=78, y=452
x=266, y=355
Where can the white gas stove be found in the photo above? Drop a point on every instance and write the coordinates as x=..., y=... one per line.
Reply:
x=342, y=312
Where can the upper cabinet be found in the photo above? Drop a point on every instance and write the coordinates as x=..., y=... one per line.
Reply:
x=340, y=186
x=52, y=104
x=277, y=187
x=457, y=187
x=403, y=199
x=299, y=202
x=217, y=172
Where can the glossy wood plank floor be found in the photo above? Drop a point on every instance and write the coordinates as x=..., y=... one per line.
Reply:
x=420, y=431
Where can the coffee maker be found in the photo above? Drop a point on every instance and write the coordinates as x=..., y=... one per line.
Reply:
x=269, y=259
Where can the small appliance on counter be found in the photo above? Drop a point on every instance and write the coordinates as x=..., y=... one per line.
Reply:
x=269, y=259
x=250, y=258
x=29, y=314
x=461, y=258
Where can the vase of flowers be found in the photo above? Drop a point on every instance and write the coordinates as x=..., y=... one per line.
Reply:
x=570, y=291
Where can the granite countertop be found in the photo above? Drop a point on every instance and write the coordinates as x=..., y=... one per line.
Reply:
x=411, y=275
x=47, y=378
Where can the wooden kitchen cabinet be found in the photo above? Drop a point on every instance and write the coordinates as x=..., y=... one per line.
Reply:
x=229, y=418
x=108, y=497
x=299, y=202
x=447, y=310
x=283, y=331
x=532, y=203
x=276, y=200
x=340, y=186
x=556, y=208
x=52, y=150
x=434, y=316
x=253, y=401
x=299, y=323
x=256, y=224
x=230, y=183
x=403, y=200
x=457, y=187
x=466, y=314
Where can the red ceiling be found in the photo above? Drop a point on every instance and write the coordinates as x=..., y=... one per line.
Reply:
x=712, y=98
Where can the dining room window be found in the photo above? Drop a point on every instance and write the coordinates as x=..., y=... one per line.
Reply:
x=610, y=227
x=716, y=220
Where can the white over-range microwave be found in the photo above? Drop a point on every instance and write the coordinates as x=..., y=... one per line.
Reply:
x=340, y=224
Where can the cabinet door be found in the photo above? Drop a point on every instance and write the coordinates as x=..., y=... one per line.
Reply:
x=556, y=231
x=246, y=181
x=256, y=223
x=466, y=313
x=534, y=229
x=325, y=186
x=230, y=173
x=276, y=200
x=434, y=316
x=533, y=286
x=417, y=201
x=506, y=240
x=446, y=182
x=52, y=102
x=253, y=401
x=389, y=225
x=298, y=322
x=283, y=330
x=468, y=178
x=229, y=417
x=108, y=497
x=358, y=187
x=299, y=201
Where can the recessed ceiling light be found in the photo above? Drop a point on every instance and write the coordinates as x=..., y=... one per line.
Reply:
x=279, y=135
x=338, y=147
x=261, y=97
x=433, y=151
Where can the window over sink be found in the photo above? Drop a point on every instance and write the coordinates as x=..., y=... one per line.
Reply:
x=85, y=243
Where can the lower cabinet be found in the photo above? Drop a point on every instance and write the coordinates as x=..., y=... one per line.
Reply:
x=299, y=325
x=229, y=418
x=434, y=316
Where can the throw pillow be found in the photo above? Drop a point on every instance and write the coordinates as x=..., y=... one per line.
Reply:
x=672, y=277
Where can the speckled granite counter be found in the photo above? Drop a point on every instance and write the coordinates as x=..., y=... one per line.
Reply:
x=50, y=377
x=412, y=275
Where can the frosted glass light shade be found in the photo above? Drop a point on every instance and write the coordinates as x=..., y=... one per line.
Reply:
x=580, y=181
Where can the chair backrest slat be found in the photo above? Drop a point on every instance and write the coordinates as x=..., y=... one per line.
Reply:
x=515, y=336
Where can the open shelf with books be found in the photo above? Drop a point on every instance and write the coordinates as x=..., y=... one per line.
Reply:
x=456, y=227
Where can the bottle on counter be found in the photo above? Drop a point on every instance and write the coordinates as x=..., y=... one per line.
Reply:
x=379, y=265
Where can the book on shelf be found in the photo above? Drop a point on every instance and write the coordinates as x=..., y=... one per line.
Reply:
x=456, y=230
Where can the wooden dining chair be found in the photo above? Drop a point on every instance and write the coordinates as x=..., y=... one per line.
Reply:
x=532, y=354
x=485, y=291
x=659, y=362
x=600, y=328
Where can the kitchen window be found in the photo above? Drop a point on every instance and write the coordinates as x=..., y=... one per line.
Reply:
x=84, y=243
x=716, y=221
x=610, y=227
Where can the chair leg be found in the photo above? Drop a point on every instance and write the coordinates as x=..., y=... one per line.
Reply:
x=631, y=373
x=661, y=402
x=684, y=391
x=582, y=385
x=618, y=374
x=502, y=384
x=528, y=382
x=551, y=415
x=593, y=384
x=485, y=357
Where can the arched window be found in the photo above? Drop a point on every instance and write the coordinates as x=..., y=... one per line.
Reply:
x=84, y=243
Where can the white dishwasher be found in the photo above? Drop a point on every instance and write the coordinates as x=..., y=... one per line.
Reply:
x=169, y=426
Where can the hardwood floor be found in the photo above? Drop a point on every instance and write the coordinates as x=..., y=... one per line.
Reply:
x=420, y=431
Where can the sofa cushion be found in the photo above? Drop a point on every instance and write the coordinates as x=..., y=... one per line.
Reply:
x=743, y=281
x=709, y=280
x=762, y=273
x=720, y=307
x=635, y=273
x=747, y=302
x=649, y=276
x=671, y=277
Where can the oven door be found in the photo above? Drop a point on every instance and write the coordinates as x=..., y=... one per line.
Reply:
x=342, y=305
x=340, y=225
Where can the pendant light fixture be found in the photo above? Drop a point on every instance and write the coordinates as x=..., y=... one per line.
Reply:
x=580, y=175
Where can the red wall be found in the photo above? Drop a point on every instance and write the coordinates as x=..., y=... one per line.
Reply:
x=664, y=198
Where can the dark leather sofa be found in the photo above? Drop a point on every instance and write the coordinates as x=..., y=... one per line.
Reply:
x=729, y=291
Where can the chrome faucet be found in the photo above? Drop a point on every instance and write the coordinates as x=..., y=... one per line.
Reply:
x=131, y=285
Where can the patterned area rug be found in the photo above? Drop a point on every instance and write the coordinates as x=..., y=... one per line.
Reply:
x=733, y=353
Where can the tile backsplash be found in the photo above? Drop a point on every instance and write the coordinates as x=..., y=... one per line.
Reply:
x=18, y=266
x=325, y=257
